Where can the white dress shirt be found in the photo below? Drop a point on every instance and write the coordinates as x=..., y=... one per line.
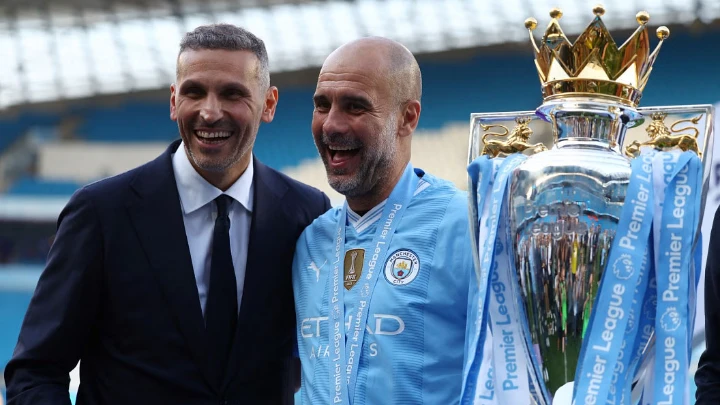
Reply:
x=199, y=212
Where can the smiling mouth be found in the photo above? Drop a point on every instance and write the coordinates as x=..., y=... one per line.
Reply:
x=340, y=154
x=213, y=136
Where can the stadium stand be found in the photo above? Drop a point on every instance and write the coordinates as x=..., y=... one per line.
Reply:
x=14, y=127
x=34, y=186
x=130, y=122
x=456, y=85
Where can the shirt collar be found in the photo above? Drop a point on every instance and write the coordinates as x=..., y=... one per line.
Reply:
x=362, y=222
x=195, y=192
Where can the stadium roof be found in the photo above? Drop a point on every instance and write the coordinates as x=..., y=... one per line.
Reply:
x=78, y=48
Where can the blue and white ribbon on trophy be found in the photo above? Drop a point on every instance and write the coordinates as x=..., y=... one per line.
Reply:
x=645, y=289
x=663, y=195
x=605, y=354
x=678, y=178
x=643, y=318
x=478, y=379
x=498, y=369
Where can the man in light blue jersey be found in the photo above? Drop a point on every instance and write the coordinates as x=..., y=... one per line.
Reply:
x=381, y=284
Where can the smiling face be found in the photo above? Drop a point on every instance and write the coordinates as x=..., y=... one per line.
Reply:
x=218, y=103
x=355, y=130
x=367, y=105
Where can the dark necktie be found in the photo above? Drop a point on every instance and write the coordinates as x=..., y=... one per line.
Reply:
x=221, y=308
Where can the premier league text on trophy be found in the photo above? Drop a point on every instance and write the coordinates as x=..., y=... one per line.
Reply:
x=619, y=292
x=509, y=340
x=569, y=211
x=674, y=225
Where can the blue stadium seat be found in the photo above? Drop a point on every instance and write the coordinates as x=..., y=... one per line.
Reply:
x=287, y=140
x=39, y=187
x=132, y=122
x=13, y=305
x=12, y=128
x=9, y=133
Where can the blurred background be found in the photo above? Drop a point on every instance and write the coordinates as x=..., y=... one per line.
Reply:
x=84, y=91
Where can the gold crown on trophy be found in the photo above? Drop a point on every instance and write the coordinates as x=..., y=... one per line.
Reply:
x=594, y=65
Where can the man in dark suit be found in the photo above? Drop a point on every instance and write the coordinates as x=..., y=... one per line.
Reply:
x=707, y=376
x=171, y=283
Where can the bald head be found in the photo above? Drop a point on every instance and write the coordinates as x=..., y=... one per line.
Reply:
x=367, y=106
x=387, y=59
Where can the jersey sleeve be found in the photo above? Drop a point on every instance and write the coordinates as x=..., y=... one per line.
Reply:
x=298, y=283
x=458, y=256
x=454, y=280
x=301, y=252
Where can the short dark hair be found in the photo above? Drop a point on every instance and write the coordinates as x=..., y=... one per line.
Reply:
x=232, y=38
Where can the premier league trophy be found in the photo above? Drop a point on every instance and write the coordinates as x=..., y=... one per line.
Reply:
x=586, y=216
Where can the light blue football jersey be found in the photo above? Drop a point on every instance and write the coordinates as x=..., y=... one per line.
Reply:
x=414, y=344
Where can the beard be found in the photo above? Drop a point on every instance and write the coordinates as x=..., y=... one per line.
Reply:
x=376, y=161
x=219, y=162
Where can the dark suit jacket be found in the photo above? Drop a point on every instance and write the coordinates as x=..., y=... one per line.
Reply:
x=119, y=294
x=707, y=377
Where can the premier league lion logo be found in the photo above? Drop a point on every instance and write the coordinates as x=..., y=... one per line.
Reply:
x=623, y=267
x=649, y=308
x=630, y=324
x=670, y=320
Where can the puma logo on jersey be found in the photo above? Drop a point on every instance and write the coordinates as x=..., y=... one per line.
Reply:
x=316, y=269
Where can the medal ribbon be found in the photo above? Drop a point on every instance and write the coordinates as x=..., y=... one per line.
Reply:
x=345, y=356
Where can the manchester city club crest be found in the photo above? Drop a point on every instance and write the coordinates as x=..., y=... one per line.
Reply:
x=402, y=267
x=353, y=266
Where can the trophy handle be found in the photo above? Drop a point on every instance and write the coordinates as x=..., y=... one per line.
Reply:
x=691, y=129
x=662, y=137
x=491, y=135
x=515, y=141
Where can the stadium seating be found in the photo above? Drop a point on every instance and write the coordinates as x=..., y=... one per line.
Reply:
x=453, y=89
x=41, y=187
x=9, y=133
x=14, y=127
x=129, y=122
x=13, y=305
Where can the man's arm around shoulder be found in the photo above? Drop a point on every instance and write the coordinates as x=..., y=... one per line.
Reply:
x=62, y=311
x=320, y=202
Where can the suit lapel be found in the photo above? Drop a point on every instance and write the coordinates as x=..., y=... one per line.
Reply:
x=266, y=217
x=157, y=218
